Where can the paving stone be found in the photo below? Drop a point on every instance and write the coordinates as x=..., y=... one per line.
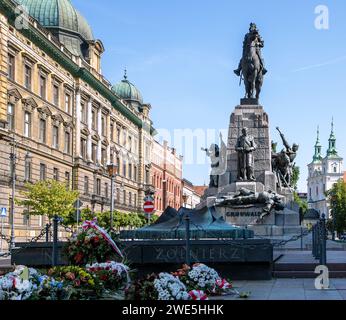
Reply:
x=323, y=295
x=287, y=294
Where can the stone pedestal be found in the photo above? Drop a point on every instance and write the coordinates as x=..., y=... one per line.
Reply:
x=256, y=120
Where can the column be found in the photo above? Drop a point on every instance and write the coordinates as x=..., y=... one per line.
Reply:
x=99, y=131
x=89, y=144
x=78, y=123
x=110, y=158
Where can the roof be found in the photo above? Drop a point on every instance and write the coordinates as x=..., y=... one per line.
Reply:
x=312, y=214
x=200, y=190
x=62, y=19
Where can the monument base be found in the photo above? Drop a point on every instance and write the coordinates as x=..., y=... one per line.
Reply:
x=233, y=258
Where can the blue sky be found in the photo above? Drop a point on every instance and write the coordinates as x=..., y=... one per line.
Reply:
x=181, y=53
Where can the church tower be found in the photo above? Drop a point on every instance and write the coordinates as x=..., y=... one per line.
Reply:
x=323, y=173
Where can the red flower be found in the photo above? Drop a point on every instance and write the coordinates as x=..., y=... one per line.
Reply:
x=78, y=257
x=104, y=277
x=77, y=282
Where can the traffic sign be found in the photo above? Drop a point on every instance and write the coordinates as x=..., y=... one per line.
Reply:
x=149, y=207
x=149, y=198
x=3, y=212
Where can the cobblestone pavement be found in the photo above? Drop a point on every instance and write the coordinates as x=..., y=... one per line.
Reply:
x=288, y=289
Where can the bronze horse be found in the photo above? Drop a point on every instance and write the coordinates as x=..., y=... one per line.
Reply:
x=252, y=69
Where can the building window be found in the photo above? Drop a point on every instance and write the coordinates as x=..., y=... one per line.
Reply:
x=130, y=171
x=42, y=133
x=94, y=152
x=26, y=218
x=68, y=101
x=106, y=190
x=124, y=138
x=27, y=77
x=335, y=169
x=130, y=144
x=43, y=87
x=43, y=172
x=67, y=148
x=135, y=201
x=86, y=185
x=316, y=191
x=124, y=168
x=130, y=198
x=56, y=94
x=56, y=174
x=83, y=112
x=98, y=187
x=104, y=157
x=124, y=197
x=111, y=128
x=135, y=173
x=103, y=126
x=27, y=124
x=27, y=170
x=68, y=179
x=118, y=135
x=10, y=116
x=118, y=195
x=94, y=119
x=83, y=148
x=11, y=67
x=56, y=137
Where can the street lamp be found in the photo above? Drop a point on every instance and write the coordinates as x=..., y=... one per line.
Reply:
x=112, y=171
x=184, y=199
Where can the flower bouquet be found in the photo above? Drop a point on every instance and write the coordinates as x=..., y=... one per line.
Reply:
x=113, y=276
x=169, y=287
x=18, y=285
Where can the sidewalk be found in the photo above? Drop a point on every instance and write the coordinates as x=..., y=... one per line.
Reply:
x=289, y=289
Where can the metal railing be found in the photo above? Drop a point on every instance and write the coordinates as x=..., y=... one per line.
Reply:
x=319, y=240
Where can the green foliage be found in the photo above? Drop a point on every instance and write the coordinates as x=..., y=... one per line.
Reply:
x=49, y=198
x=337, y=200
x=295, y=177
x=121, y=220
x=303, y=205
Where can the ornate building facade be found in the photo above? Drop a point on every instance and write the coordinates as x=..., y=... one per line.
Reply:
x=166, y=177
x=324, y=172
x=61, y=118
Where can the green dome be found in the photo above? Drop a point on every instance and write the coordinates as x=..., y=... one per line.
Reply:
x=127, y=91
x=62, y=19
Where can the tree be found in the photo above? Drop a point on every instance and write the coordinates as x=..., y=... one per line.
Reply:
x=295, y=177
x=337, y=199
x=49, y=198
x=303, y=205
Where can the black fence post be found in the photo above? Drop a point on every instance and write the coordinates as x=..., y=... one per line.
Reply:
x=55, y=240
x=47, y=232
x=187, y=222
x=323, y=239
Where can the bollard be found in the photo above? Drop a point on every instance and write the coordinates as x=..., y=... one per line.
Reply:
x=55, y=240
x=187, y=224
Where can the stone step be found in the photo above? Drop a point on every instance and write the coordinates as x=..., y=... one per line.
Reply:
x=338, y=267
x=306, y=274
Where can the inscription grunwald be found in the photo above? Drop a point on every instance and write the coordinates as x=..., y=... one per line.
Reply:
x=244, y=214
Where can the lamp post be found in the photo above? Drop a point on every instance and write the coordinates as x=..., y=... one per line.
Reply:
x=112, y=171
x=13, y=158
x=184, y=199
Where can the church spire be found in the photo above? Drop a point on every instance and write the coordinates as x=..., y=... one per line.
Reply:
x=318, y=148
x=332, y=143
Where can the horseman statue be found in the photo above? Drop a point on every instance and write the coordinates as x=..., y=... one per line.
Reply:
x=251, y=66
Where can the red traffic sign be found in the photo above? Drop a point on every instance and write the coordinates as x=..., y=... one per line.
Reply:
x=149, y=207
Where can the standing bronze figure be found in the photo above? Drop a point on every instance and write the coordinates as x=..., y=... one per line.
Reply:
x=251, y=66
x=283, y=162
x=245, y=147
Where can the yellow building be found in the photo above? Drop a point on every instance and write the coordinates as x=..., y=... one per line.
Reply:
x=66, y=119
